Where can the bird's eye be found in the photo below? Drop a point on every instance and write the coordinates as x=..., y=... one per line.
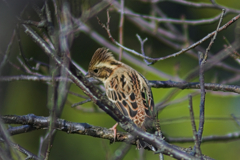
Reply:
x=95, y=70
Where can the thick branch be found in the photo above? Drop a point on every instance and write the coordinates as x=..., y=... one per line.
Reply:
x=40, y=122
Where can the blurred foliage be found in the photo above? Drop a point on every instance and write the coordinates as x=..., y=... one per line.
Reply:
x=24, y=97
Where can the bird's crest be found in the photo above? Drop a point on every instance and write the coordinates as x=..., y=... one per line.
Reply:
x=101, y=55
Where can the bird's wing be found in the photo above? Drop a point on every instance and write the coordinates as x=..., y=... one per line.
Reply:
x=131, y=94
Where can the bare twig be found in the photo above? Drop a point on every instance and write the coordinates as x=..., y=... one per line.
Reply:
x=21, y=49
x=185, y=32
x=24, y=151
x=6, y=149
x=181, y=119
x=26, y=68
x=231, y=80
x=121, y=29
x=202, y=102
x=175, y=21
x=82, y=102
x=212, y=138
x=176, y=101
x=195, y=135
x=214, y=37
x=236, y=120
x=89, y=110
x=78, y=95
x=142, y=49
x=235, y=55
x=7, y=53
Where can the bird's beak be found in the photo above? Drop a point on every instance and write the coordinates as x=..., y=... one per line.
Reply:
x=87, y=75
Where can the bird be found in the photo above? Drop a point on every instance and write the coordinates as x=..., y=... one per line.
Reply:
x=125, y=87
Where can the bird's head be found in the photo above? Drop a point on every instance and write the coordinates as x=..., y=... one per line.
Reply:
x=102, y=64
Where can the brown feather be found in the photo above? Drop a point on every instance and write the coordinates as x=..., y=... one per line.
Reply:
x=125, y=87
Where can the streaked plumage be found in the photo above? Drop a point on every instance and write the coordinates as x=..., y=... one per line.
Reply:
x=125, y=87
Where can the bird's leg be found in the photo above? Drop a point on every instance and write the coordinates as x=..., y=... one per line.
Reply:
x=114, y=128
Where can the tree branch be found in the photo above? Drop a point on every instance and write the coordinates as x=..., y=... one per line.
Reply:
x=40, y=122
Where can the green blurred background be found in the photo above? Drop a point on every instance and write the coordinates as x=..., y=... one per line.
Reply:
x=25, y=97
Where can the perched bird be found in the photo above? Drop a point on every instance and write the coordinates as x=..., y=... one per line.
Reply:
x=125, y=87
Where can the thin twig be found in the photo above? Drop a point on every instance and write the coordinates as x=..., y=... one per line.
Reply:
x=175, y=21
x=214, y=37
x=121, y=29
x=236, y=120
x=22, y=150
x=195, y=135
x=142, y=49
x=20, y=48
x=26, y=68
x=202, y=102
x=235, y=54
x=7, y=53
x=233, y=136
x=78, y=95
x=185, y=32
x=80, y=103
x=89, y=110
x=176, y=101
x=181, y=119
x=233, y=79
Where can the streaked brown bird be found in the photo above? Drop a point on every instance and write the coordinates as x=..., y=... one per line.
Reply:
x=125, y=87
